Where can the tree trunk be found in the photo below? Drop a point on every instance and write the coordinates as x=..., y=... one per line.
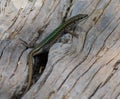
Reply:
x=77, y=68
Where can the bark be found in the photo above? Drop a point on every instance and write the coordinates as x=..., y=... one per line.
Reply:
x=81, y=68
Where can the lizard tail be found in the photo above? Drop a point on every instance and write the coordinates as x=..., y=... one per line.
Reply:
x=30, y=71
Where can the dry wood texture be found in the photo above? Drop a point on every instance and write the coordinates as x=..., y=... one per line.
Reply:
x=82, y=68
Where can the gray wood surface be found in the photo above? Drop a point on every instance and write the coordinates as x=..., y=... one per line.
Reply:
x=82, y=68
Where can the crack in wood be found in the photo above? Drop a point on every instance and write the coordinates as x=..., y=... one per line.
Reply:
x=118, y=95
x=52, y=10
x=5, y=46
x=115, y=66
x=17, y=63
x=71, y=73
x=85, y=57
x=82, y=76
x=94, y=92
x=91, y=80
x=50, y=94
x=107, y=80
x=36, y=15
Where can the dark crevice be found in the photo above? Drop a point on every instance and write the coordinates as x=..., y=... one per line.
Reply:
x=40, y=61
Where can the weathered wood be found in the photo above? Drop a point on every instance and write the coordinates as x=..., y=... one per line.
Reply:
x=79, y=68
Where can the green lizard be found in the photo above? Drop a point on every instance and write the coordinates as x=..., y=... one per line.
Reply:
x=48, y=41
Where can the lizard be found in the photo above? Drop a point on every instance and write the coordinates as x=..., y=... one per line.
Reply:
x=48, y=41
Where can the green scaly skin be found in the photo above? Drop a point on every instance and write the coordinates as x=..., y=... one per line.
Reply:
x=49, y=40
